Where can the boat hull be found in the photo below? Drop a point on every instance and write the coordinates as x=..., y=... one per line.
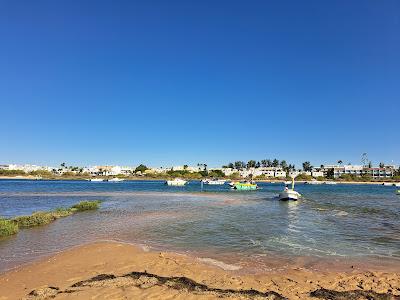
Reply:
x=214, y=182
x=245, y=187
x=176, y=182
x=289, y=195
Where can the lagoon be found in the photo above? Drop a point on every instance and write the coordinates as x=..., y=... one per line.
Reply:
x=331, y=223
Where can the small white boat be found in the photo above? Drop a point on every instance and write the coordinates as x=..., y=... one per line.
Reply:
x=396, y=184
x=289, y=194
x=115, y=179
x=214, y=181
x=176, y=182
x=329, y=182
x=313, y=182
x=96, y=179
x=387, y=184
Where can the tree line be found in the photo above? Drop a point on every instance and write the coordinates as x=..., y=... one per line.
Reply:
x=266, y=163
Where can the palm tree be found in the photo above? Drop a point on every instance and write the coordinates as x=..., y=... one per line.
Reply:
x=275, y=163
x=251, y=164
x=307, y=166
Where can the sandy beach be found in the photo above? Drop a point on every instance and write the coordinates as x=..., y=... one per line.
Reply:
x=111, y=270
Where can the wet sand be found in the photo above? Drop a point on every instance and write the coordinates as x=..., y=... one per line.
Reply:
x=111, y=270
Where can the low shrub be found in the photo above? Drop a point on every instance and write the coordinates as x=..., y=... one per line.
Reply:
x=62, y=212
x=8, y=227
x=86, y=205
x=36, y=219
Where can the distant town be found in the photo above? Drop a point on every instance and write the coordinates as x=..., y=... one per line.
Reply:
x=256, y=170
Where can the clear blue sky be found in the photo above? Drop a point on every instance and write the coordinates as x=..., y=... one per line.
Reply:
x=174, y=82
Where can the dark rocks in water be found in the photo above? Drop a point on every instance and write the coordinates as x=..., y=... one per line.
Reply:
x=352, y=295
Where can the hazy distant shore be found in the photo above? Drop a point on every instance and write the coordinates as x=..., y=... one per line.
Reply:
x=31, y=177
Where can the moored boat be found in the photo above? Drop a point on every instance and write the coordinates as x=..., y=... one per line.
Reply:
x=313, y=182
x=214, y=181
x=329, y=182
x=289, y=194
x=96, y=179
x=115, y=179
x=245, y=186
x=176, y=182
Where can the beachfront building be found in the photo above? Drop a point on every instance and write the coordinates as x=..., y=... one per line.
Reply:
x=317, y=173
x=229, y=171
x=26, y=168
x=273, y=172
x=357, y=170
x=294, y=174
x=380, y=173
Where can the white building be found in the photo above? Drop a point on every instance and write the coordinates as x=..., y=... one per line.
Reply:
x=316, y=174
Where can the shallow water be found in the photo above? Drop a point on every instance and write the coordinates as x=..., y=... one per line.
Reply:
x=331, y=222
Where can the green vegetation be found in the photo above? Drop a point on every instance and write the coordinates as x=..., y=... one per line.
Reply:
x=234, y=176
x=11, y=226
x=304, y=177
x=86, y=205
x=11, y=172
x=307, y=167
x=8, y=227
x=42, y=173
x=352, y=177
x=36, y=219
x=141, y=168
x=216, y=173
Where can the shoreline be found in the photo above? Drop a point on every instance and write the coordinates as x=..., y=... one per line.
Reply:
x=65, y=271
x=34, y=178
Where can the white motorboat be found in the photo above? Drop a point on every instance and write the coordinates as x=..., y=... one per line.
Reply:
x=116, y=179
x=289, y=194
x=387, y=184
x=329, y=182
x=176, y=182
x=96, y=179
x=396, y=184
x=214, y=181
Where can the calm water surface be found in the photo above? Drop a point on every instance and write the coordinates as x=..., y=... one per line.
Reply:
x=329, y=223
